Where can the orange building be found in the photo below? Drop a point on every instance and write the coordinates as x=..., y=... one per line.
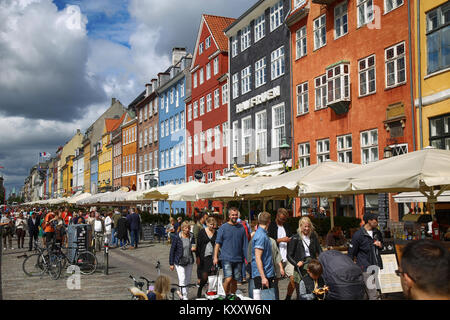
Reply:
x=351, y=92
x=129, y=150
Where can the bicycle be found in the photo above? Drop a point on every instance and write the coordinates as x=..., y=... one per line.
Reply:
x=178, y=292
x=42, y=262
x=137, y=292
x=86, y=260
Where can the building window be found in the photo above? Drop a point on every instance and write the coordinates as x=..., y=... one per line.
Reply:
x=189, y=118
x=144, y=167
x=217, y=137
x=260, y=27
x=278, y=123
x=177, y=123
x=155, y=163
x=172, y=95
x=303, y=155
x=140, y=116
x=369, y=146
x=182, y=156
x=208, y=71
x=395, y=65
x=162, y=130
x=245, y=80
x=235, y=82
x=390, y=5
x=207, y=42
x=365, y=11
x=216, y=98
x=163, y=160
x=260, y=72
x=177, y=98
x=344, y=148
x=440, y=132
x=167, y=128
x=300, y=40
x=195, y=145
x=276, y=16
x=172, y=158
x=156, y=133
x=225, y=134
x=195, y=80
x=182, y=90
x=323, y=150
x=216, y=65
x=277, y=63
x=321, y=92
x=246, y=135
x=235, y=139
x=302, y=98
x=150, y=161
x=201, y=78
x=202, y=106
x=338, y=83
x=367, y=83
x=210, y=177
x=208, y=102
x=140, y=140
x=224, y=93
x=195, y=110
x=167, y=159
x=182, y=120
x=209, y=142
x=340, y=20
x=261, y=130
x=234, y=46
x=189, y=146
x=320, y=32
x=202, y=142
x=145, y=137
x=150, y=135
x=245, y=38
x=200, y=48
x=438, y=30
x=217, y=174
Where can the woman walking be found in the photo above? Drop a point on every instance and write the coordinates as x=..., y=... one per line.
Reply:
x=303, y=247
x=181, y=257
x=206, y=240
x=122, y=231
x=21, y=224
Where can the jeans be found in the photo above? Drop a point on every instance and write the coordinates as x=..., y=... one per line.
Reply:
x=232, y=269
x=184, y=278
x=134, y=237
x=113, y=241
x=33, y=238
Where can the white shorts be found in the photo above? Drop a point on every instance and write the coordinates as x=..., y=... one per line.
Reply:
x=288, y=268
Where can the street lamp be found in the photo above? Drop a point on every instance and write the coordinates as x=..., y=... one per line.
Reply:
x=388, y=152
x=285, y=152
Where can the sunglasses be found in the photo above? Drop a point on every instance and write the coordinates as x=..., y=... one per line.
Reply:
x=399, y=273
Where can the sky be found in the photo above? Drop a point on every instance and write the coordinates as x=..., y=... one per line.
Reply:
x=62, y=62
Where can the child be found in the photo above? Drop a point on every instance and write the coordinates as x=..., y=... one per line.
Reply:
x=312, y=286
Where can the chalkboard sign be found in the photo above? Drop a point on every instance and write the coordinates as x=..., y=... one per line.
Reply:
x=148, y=232
x=383, y=210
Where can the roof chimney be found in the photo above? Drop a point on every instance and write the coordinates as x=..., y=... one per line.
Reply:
x=148, y=89
x=154, y=84
x=113, y=100
x=177, y=54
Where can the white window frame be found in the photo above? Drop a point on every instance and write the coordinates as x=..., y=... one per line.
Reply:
x=209, y=140
x=235, y=141
x=195, y=110
x=276, y=16
x=398, y=3
x=395, y=61
x=234, y=46
x=323, y=150
x=260, y=27
x=216, y=98
x=300, y=43
x=364, y=72
x=217, y=136
x=189, y=146
x=201, y=76
x=302, y=98
x=207, y=42
x=150, y=135
x=260, y=72
x=225, y=134
x=246, y=134
x=208, y=102
x=338, y=83
x=276, y=137
x=344, y=146
x=277, y=63
x=202, y=106
x=195, y=145
x=320, y=92
x=320, y=32
x=208, y=71
x=364, y=12
x=182, y=120
x=155, y=134
x=202, y=142
x=339, y=14
x=189, y=118
x=261, y=130
x=216, y=65
x=177, y=122
x=304, y=154
x=225, y=93
x=369, y=145
x=245, y=38
x=246, y=80
x=200, y=48
x=235, y=83
x=195, y=79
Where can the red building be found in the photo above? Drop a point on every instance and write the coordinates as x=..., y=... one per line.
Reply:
x=351, y=89
x=207, y=108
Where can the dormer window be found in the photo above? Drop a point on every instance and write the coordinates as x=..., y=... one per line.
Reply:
x=338, y=87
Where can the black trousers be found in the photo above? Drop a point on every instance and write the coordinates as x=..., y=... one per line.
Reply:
x=33, y=237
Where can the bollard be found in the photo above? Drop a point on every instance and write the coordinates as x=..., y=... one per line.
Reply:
x=106, y=257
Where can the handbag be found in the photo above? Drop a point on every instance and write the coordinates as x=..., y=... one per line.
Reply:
x=184, y=261
x=268, y=294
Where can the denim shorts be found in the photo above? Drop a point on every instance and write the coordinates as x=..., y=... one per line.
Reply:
x=232, y=269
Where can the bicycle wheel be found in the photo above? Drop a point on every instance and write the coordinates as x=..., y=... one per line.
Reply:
x=32, y=265
x=54, y=267
x=87, y=262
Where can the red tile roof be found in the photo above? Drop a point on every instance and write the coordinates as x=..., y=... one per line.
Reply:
x=217, y=24
x=113, y=124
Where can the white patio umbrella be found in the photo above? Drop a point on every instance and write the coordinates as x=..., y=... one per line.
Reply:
x=426, y=171
x=408, y=197
x=81, y=196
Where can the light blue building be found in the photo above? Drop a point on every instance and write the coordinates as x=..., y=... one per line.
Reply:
x=174, y=88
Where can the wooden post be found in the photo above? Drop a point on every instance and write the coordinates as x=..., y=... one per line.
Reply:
x=331, y=202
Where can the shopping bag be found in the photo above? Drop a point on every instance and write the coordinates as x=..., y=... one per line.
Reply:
x=215, y=284
x=264, y=294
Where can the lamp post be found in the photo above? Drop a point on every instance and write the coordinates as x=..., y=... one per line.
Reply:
x=285, y=153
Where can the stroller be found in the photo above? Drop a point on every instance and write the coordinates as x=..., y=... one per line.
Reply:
x=343, y=278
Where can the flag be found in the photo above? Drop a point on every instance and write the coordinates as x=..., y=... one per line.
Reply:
x=44, y=154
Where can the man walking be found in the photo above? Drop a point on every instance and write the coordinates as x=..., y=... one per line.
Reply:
x=134, y=223
x=364, y=248
x=33, y=229
x=263, y=272
x=115, y=218
x=281, y=233
x=232, y=242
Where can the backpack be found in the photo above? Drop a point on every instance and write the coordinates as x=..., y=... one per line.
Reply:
x=247, y=233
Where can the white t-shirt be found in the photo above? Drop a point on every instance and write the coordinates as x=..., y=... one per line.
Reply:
x=370, y=233
x=282, y=245
x=98, y=226
x=306, y=242
x=108, y=222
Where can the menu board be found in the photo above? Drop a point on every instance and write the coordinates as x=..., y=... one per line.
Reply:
x=387, y=278
x=148, y=232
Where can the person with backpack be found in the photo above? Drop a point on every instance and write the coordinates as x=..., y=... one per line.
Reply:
x=181, y=256
x=312, y=286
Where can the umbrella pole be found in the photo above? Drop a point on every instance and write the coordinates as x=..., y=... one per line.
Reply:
x=170, y=209
x=225, y=205
x=331, y=202
x=192, y=210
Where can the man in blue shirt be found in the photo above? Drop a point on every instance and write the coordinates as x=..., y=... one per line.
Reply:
x=263, y=272
x=232, y=242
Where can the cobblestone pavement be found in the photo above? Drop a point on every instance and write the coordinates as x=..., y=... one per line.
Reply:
x=98, y=286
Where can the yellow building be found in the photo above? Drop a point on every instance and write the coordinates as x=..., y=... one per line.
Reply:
x=432, y=74
x=67, y=154
x=87, y=165
x=68, y=176
x=105, y=164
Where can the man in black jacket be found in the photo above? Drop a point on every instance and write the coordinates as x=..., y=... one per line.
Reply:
x=365, y=246
x=33, y=229
x=281, y=233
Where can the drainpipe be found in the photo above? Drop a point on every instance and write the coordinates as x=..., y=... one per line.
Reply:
x=419, y=74
x=411, y=79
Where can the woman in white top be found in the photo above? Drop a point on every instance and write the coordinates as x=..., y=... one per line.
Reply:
x=21, y=224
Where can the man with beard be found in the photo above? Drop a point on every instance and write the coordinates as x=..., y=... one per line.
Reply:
x=232, y=242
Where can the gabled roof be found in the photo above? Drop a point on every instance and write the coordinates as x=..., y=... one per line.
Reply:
x=216, y=26
x=113, y=124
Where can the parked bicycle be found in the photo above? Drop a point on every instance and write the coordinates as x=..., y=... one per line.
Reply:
x=139, y=292
x=85, y=260
x=44, y=261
